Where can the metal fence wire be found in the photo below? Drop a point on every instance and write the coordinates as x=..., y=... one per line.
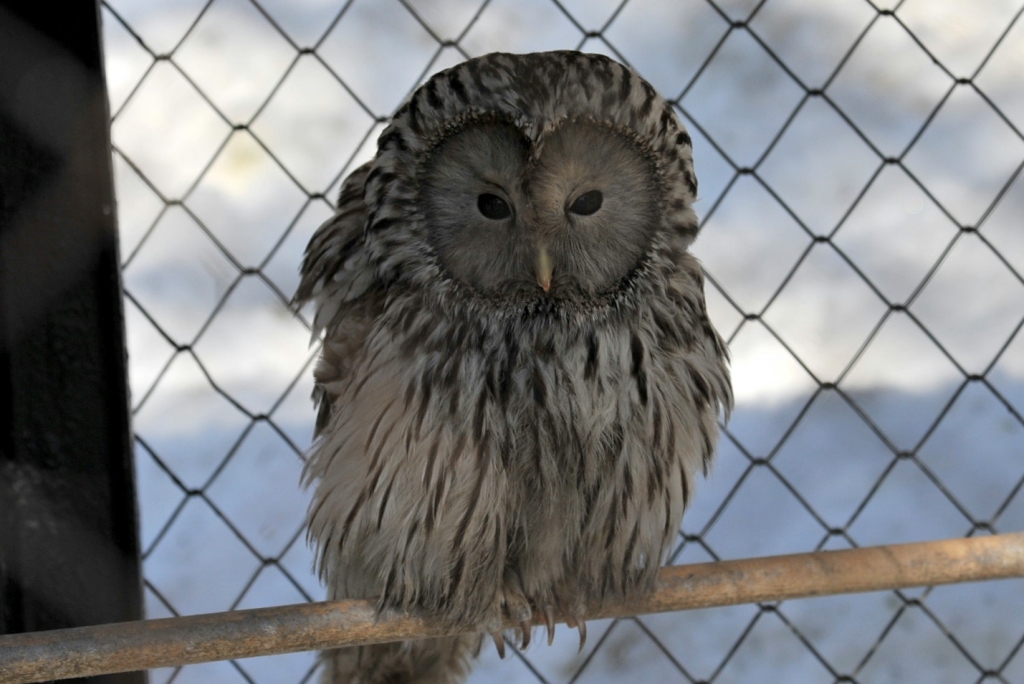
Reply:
x=863, y=233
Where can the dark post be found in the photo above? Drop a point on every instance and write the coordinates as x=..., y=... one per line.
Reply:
x=69, y=550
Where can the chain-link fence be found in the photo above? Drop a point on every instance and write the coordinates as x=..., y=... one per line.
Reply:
x=863, y=230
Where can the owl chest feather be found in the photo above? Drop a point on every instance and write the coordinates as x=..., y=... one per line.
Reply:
x=467, y=452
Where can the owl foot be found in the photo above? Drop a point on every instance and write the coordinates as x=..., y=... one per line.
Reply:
x=581, y=625
x=516, y=606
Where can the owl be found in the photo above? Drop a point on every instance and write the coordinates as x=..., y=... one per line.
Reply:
x=518, y=382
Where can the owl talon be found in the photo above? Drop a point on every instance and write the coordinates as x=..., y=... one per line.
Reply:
x=527, y=633
x=499, y=643
x=549, y=622
x=581, y=625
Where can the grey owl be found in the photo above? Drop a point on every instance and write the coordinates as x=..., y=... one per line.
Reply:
x=519, y=382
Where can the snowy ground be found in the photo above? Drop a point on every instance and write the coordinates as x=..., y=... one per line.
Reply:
x=916, y=322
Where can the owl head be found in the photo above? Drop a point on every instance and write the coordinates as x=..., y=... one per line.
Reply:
x=555, y=176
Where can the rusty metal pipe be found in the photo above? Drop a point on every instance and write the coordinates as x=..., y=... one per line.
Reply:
x=121, y=647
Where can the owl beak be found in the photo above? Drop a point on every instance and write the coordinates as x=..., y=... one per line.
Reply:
x=543, y=268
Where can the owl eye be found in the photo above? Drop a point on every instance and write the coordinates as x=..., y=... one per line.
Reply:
x=588, y=203
x=493, y=207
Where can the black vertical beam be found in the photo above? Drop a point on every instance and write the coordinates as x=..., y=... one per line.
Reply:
x=69, y=550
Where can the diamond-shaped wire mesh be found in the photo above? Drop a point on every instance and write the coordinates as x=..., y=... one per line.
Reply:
x=863, y=231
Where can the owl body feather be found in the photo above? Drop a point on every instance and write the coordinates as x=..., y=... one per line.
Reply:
x=483, y=453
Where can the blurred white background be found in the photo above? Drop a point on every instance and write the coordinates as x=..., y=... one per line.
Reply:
x=863, y=231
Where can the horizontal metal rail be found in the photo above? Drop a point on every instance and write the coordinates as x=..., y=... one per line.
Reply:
x=167, y=642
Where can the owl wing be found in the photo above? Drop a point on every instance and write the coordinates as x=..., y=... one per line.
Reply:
x=338, y=279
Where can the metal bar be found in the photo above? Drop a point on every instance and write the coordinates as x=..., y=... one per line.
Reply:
x=241, y=634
